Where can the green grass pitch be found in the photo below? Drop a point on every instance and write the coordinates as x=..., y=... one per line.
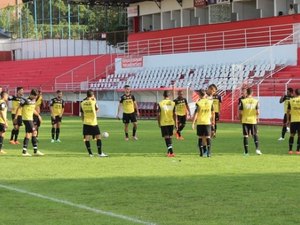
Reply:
x=139, y=182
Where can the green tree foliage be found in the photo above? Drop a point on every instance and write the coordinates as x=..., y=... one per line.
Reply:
x=85, y=22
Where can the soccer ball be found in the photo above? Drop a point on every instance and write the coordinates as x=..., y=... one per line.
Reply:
x=105, y=134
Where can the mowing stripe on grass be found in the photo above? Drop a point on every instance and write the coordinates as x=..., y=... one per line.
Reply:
x=80, y=206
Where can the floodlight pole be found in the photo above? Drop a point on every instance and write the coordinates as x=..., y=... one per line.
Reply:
x=69, y=19
x=35, y=20
x=21, y=28
x=50, y=12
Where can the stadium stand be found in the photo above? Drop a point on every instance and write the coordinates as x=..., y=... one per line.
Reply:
x=41, y=73
x=194, y=77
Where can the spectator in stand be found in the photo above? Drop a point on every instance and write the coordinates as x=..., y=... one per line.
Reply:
x=291, y=10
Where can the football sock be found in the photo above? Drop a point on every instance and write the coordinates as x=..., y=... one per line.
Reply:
x=169, y=145
x=256, y=142
x=246, y=145
x=12, y=134
x=99, y=146
x=204, y=149
x=291, y=142
x=34, y=144
x=134, y=131
x=283, y=131
x=298, y=144
x=126, y=134
x=16, y=134
x=25, y=144
x=181, y=127
x=57, y=133
x=52, y=132
x=200, y=146
x=178, y=133
x=1, y=142
x=208, y=143
x=88, y=147
x=215, y=128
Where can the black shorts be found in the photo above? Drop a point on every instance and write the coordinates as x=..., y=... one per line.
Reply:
x=217, y=116
x=29, y=127
x=90, y=130
x=19, y=120
x=167, y=130
x=2, y=128
x=36, y=121
x=285, y=118
x=204, y=130
x=249, y=129
x=295, y=127
x=181, y=120
x=57, y=119
x=129, y=117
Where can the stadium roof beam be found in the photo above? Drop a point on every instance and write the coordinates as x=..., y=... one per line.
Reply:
x=179, y=2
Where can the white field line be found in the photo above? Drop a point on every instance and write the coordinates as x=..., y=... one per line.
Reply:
x=80, y=206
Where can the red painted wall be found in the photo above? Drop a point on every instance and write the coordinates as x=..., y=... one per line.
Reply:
x=5, y=56
x=271, y=21
x=210, y=37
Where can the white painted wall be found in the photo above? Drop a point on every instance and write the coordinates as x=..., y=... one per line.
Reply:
x=108, y=109
x=270, y=108
x=245, y=10
x=176, y=17
x=157, y=21
x=147, y=21
x=202, y=14
x=267, y=8
x=167, y=23
x=286, y=53
x=32, y=49
x=280, y=5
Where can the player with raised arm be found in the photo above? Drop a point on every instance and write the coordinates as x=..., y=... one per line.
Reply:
x=217, y=101
x=38, y=103
x=16, y=118
x=285, y=99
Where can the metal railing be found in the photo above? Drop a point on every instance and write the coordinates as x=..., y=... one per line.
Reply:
x=229, y=39
x=242, y=38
